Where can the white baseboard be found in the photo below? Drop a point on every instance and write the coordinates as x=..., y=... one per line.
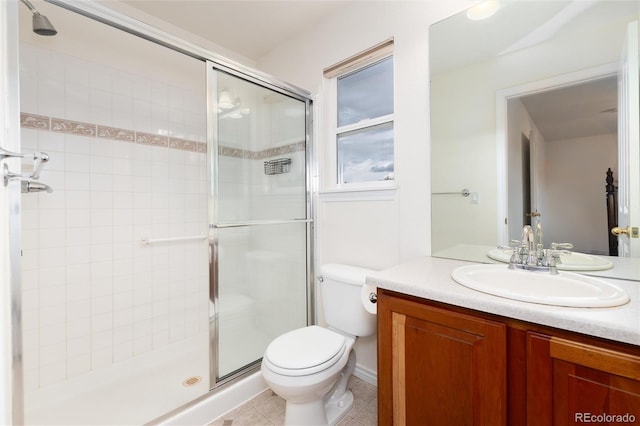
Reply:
x=366, y=374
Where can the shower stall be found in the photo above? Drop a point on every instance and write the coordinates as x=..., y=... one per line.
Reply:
x=177, y=240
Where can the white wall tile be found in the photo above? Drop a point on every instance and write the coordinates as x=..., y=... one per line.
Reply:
x=123, y=317
x=52, y=314
x=101, y=253
x=52, y=237
x=101, y=339
x=101, y=329
x=101, y=164
x=52, y=334
x=101, y=357
x=78, y=365
x=101, y=287
x=123, y=351
x=79, y=312
x=123, y=302
x=51, y=142
x=52, y=373
x=52, y=354
x=78, y=254
x=79, y=327
x=142, y=345
x=101, y=182
x=122, y=283
x=52, y=295
x=92, y=294
x=142, y=312
x=31, y=379
x=101, y=147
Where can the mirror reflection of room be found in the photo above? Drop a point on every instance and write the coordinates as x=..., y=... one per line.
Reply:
x=561, y=142
x=526, y=115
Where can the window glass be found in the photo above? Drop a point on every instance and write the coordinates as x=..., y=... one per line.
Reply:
x=366, y=93
x=366, y=155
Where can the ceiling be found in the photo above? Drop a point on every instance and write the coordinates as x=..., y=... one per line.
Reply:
x=250, y=28
x=576, y=111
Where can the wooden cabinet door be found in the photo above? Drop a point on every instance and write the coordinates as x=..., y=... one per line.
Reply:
x=439, y=367
x=571, y=383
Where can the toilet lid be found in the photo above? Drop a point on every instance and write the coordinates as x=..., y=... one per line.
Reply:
x=305, y=349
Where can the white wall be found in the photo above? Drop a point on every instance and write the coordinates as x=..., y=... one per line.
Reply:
x=576, y=204
x=374, y=234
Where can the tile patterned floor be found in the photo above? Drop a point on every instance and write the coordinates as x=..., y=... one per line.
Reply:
x=267, y=409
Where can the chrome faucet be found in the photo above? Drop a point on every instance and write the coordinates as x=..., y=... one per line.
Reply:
x=529, y=253
x=529, y=245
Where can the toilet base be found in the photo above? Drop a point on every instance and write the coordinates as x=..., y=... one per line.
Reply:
x=337, y=410
x=308, y=414
x=318, y=412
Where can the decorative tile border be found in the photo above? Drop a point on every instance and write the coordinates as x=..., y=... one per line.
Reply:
x=59, y=125
x=70, y=127
x=32, y=121
x=73, y=127
x=116, y=134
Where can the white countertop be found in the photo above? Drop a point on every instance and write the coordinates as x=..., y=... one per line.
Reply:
x=429, y=278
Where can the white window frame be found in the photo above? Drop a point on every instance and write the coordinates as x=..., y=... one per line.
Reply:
x=330, y=187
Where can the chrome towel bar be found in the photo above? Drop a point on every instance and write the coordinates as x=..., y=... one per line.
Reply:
x=465, y=193
x=147, y=241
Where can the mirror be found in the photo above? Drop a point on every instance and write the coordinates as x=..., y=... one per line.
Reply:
x=524, y=121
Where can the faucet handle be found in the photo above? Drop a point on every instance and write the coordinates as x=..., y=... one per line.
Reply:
x=514, y=245
x=554, y=259
x=555, y=246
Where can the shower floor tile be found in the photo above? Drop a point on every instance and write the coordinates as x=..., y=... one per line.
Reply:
x=267, y=409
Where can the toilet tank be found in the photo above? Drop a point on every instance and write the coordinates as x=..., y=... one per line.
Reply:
x=343, y=309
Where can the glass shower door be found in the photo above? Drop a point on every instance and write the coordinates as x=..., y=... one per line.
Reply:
x=259, y=216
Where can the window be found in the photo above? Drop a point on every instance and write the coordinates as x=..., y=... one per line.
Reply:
x=363, y=118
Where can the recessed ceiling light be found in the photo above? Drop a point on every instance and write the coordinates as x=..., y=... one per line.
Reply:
x=483, y=10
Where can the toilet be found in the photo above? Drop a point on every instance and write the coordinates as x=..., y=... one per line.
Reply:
x=310, y=367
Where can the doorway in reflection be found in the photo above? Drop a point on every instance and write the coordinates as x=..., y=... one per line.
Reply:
x=561, y=142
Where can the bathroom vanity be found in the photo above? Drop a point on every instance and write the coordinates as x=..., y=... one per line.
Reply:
x=451, y=355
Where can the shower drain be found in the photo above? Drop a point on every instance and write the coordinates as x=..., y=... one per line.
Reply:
x=192, y=381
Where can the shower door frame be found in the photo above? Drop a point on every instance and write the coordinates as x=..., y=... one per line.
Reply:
x=214, y=226
x=138, y=28
x=11, y=364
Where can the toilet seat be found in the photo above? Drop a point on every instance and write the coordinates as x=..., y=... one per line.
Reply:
x=304, y=351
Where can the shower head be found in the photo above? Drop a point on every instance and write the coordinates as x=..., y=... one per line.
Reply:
x=41, y=25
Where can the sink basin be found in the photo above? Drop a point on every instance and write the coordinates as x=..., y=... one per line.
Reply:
x=564, y=289
x=570, y=262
